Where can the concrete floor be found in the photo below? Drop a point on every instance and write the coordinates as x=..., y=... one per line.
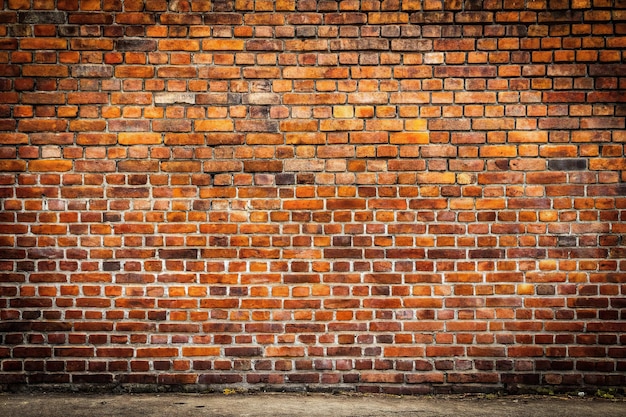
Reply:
x=314, y=405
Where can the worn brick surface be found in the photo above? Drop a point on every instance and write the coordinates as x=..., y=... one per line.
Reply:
x=388, y=196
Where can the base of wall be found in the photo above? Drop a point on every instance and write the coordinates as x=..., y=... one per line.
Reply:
x=517, y=389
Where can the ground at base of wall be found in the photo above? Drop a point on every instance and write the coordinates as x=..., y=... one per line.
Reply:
x=461, y=390
x=299, y=404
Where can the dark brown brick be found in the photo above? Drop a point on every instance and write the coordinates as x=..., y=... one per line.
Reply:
x=178, y=253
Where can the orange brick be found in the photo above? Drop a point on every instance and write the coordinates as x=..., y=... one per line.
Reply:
x=134, y=71
x=533, y=136
x=386, y=18
x=496, y=151
x=50, y=165
x=222, y=45
x=139, y=138
x=179, y=45
x=408, y=138
x=216, y=125
x=436, y=178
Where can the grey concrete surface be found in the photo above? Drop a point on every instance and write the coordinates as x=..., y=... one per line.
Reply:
x=314, y=405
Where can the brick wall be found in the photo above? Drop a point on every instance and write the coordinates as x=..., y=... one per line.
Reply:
x=397, y=196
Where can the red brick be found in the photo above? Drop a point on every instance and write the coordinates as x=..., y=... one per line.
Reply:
x=91, y=44
x=43, y=43
x=13, y=138
x=219, y=72
x=131, y=98
x=10, y=165
x=95, y=166
x=406, y=351
x=45, y=70
x=178, y=45
x=236, y=192
x=257, y=72
x=264, y=19
x=474, y=98
x=145, y=45
x=184, y=139
x=42, y=125
x=264, y=45
x=87, y=98
x=180, y=166
x=563, y=97
x=174, y=72
x=345, y=18
x=320, y=98
x=134, y=71
x=74, y=351
x=263, y=166
x=156, y=352
x=43, y=98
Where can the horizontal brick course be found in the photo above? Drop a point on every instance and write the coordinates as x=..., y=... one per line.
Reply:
x=386, y=196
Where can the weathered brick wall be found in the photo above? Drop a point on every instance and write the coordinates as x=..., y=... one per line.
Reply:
x=396, y=196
